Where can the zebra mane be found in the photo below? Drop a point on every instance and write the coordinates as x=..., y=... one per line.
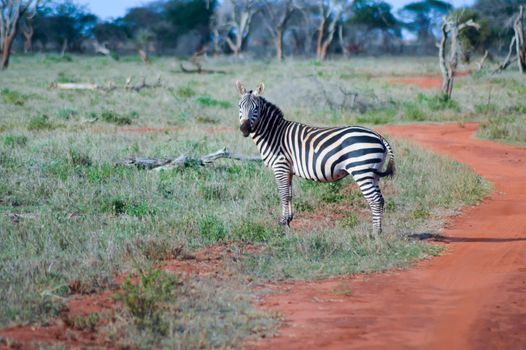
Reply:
x=270, y=106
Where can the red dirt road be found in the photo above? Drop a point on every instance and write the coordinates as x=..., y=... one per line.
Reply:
x=472, y=297
x=426, y=82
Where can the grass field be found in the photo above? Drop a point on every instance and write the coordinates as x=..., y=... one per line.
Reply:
x=68, y=213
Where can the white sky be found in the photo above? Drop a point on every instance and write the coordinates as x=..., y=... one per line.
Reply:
x=116, y=8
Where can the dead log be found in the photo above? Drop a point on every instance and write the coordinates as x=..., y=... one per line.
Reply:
x=196, y=61
x=76, y=86
x=184, y=161
x=108, y=87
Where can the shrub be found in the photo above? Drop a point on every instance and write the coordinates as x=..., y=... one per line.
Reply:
x=208, y=101
x=63, y=77
x=437, y=102
x=13, y=97
x=40, y=122
x=212, y=228
x=185, y=92
x=145, y=299
x=485, y=108
x=413, y=112
x=115, y=118
x=15, y=140
x=253, y=231
x=66, y=113
x=119, y=206
x=350, y=221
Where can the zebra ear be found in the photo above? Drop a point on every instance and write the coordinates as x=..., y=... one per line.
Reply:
x=259, y=89
x=241, y=88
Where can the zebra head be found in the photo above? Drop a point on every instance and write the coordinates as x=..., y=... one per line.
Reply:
x=249, y=108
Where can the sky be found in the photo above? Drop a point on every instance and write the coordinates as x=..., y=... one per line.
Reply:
x=117, y=8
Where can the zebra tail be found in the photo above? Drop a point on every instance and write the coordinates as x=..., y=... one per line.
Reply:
x=391, y=168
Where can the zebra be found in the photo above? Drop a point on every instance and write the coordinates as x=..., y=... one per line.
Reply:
x=322, y=154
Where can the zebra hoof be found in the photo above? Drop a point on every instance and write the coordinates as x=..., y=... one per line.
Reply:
x=284, y=222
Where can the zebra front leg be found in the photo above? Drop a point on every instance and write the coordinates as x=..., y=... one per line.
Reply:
x=284, y=181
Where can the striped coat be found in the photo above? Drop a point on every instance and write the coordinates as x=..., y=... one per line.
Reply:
x=319, y=154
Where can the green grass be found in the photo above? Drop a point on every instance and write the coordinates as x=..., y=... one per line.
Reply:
x=508, y=129
x=69, y=213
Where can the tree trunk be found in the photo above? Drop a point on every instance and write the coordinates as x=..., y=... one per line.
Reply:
x=319, y=42
x=6, y=53
x=279, y=45
x=519, y=42
x=345, y=52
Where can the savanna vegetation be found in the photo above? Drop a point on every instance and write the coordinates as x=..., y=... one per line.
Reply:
x=76, y=220
x=72, y=218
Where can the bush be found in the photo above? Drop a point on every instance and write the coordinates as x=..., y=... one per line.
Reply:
x=66, y=113
x=208, y=101
x=254, y=231
x=40, y=122
x=119, y=206
x=15, y=140
x=13, y=97
x=413, y=112
x=437, y=102
x=212, y=228
x=145, y=299
x=115, y=118
x=185, y=92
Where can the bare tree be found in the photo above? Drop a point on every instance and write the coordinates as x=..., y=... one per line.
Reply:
x=278, y=14
x=10, y=13
x=517, y=43
x=520, y=45
x=330, y=12
x=451, y=28
x=234, y=18
x=26, y=25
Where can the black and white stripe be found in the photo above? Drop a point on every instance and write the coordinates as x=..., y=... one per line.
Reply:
x=319, y=154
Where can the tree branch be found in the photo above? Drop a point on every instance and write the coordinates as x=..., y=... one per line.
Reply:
x=185, y=161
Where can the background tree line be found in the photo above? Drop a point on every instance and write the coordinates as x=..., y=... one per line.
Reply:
x=262, y=28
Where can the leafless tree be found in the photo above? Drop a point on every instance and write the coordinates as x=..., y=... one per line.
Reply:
x=330, y=13
x=11, y=11
x=520, y=45
x=451, y=29
x=26, y=25
x=517, y=43
x=277, y=16
x=234, y=17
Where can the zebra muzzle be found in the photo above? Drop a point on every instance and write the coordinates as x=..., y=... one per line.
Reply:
x=245, y=128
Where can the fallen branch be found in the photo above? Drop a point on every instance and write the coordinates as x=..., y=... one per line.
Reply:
x=185, y=161
x=108, y=87
x=200, y=70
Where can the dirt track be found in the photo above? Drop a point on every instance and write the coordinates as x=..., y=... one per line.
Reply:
x=472, y=297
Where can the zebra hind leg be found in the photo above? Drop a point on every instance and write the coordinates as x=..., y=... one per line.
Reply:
x=373, y=195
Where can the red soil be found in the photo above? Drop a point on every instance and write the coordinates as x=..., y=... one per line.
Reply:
x=431, y=82
x=472, y=297
x=68, y=331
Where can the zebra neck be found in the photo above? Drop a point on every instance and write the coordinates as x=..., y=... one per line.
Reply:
x=269, y=132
